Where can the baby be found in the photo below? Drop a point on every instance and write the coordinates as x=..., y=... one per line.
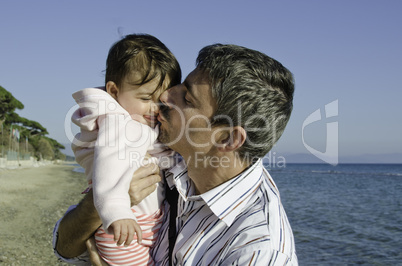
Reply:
x=118, y=129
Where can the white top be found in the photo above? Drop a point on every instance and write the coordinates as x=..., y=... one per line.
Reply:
x=111, y=147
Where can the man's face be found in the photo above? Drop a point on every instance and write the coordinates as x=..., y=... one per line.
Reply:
x=185, y=115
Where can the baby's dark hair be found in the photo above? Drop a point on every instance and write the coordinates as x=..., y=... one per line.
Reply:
x=144, y=54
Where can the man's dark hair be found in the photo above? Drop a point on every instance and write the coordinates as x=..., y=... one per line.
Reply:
x=252, y=90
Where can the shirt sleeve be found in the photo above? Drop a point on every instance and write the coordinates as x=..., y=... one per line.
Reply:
x=82, y=259
x=120, y=150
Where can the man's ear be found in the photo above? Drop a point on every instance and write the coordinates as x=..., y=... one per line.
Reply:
x=112, y=89
x=233, y=140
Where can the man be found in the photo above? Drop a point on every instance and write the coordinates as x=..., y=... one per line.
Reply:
x=222, y=119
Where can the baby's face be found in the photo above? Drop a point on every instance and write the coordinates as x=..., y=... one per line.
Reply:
x=140, y=101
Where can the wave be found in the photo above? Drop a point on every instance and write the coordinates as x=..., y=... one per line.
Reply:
x=356, y=173
x=336, y=172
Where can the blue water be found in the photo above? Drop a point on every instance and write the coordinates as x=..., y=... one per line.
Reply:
x=78, y=168
x=343, y=215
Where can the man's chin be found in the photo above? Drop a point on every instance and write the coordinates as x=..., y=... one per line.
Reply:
x=153, y=124
x=163, y=138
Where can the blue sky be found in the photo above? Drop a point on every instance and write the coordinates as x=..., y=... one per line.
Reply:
x=344, y=51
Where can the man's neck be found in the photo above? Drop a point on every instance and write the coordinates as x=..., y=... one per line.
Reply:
x=208, y=172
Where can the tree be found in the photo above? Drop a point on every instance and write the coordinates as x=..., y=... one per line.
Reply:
x=54, y=143
x=45, y=150
x=56, y=148
x=8, y=104
x=44, y=146
x=27, y=127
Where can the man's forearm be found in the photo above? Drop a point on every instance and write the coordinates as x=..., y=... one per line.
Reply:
x=76, y=227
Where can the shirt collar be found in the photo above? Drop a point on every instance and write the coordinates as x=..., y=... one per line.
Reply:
x=175, y=173
x=226, y=200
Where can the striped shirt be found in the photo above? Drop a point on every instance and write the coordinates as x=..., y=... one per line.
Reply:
x=240, y=222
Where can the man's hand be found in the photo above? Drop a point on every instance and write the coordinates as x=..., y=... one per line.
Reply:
x=124, y=231
x=143, y=183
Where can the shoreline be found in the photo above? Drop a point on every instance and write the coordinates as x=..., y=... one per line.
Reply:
x=32, y=199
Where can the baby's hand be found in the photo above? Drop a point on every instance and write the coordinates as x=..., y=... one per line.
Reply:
x=124, y=231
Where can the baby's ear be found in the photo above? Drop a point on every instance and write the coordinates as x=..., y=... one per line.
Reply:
x=112, y=89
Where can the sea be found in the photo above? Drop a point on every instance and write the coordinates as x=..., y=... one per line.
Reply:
x=348, y=214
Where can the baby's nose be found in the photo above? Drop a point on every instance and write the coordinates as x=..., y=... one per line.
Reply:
x=155, y=107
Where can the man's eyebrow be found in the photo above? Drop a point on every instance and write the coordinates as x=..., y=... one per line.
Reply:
x=190, y=89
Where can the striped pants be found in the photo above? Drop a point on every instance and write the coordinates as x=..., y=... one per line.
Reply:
x=134, y=254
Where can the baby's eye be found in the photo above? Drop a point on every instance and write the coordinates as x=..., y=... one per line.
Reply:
x=146, y=99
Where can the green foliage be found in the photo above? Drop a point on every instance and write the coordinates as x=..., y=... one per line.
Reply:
x=39, y=144
x=8, y=103
x=54, y=143
x=45, y=150
x=26, y=127
x=56, y=148
x=60, y=156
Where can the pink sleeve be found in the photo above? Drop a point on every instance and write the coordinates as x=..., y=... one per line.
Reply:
x=120, y=148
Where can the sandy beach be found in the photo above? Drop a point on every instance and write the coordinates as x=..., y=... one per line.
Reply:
x=31, y=201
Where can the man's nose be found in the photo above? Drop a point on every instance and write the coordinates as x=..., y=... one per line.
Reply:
x=166, y=97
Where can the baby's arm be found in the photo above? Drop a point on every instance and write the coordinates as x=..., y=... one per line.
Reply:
x=76, y=226
x=124, y=231
x=120, y=148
